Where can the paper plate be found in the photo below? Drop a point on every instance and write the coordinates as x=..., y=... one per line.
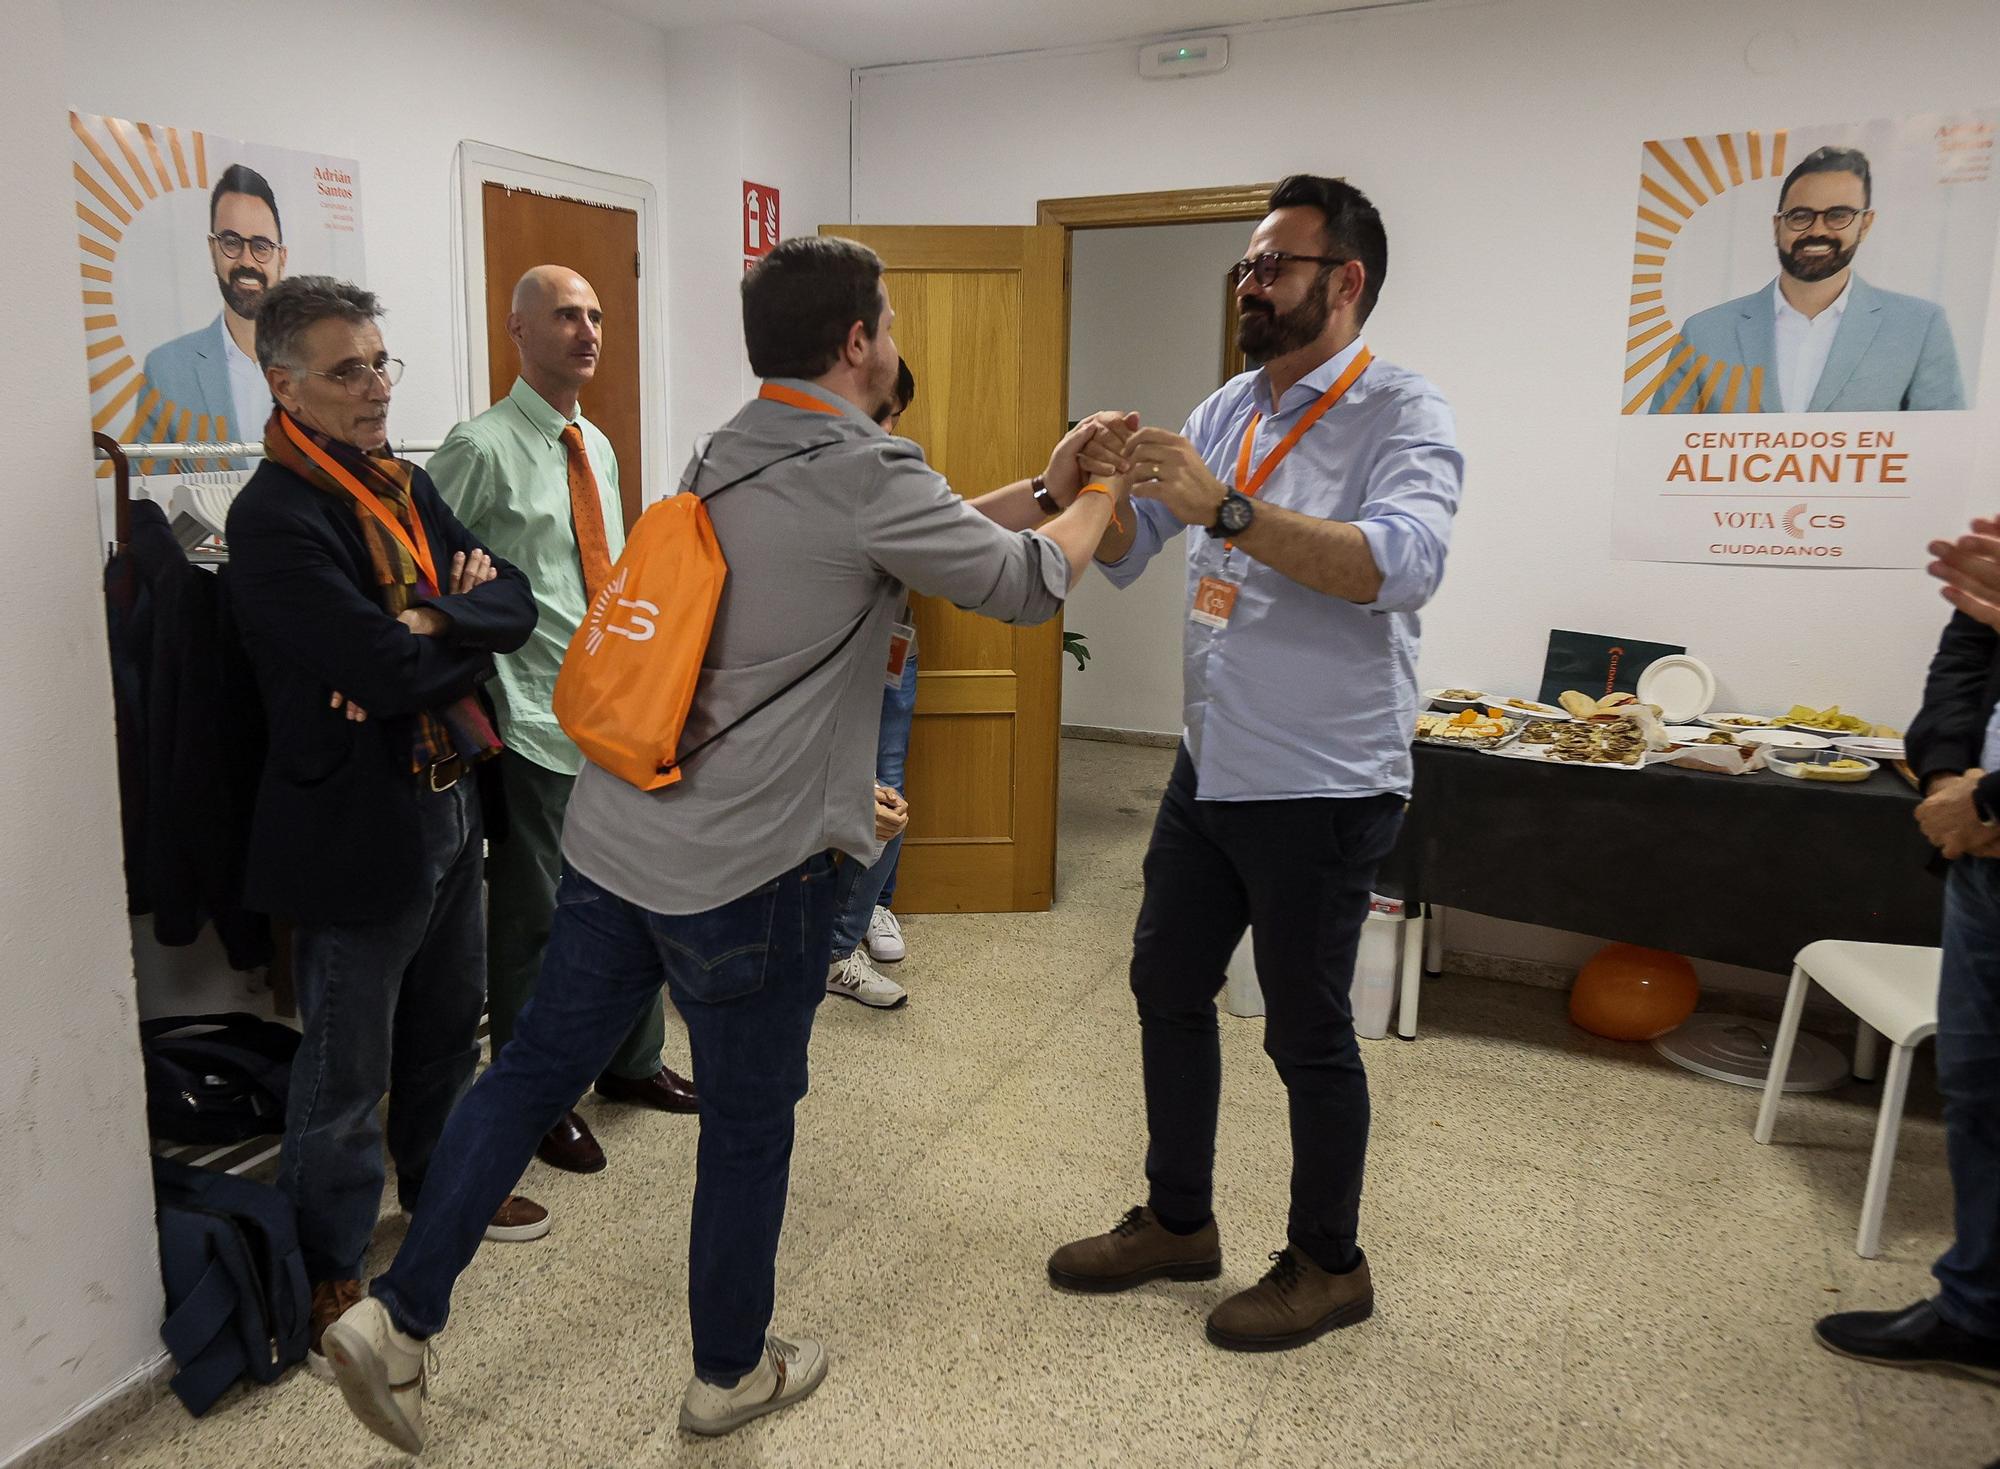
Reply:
x=1680, y=686
x=1731, y=1048
x=1785, y=739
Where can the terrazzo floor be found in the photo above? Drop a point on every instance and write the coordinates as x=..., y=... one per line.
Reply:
x=1580, y=1256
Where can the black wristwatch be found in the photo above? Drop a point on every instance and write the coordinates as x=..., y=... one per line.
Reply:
x=1233, y=516
x=1039, y=487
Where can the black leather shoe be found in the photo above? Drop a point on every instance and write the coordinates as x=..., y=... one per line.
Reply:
x=569, y=1146
x=663, y=1089
x=1916, y=1337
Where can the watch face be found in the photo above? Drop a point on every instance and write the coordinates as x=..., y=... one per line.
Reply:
x=1235, y=514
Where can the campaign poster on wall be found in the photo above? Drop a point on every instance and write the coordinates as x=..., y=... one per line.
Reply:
x=179, y=234
x=1807, y=316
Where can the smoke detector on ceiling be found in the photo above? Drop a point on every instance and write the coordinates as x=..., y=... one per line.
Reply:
x=1190, y=56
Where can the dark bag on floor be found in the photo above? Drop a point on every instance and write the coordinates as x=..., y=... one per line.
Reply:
x=237, y=1300
x=216, y=1078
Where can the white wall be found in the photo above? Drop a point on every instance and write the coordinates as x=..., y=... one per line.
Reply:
x=79, y=1278
x=1145, y=335
x=745, y=107
x=1499, y=140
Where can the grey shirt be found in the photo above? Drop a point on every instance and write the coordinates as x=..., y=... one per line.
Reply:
x=814, y=544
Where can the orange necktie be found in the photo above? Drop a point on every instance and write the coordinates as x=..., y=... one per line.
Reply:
x=586, y=512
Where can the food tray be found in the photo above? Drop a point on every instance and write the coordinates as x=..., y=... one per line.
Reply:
x=1430, y=722
x=1521, y=749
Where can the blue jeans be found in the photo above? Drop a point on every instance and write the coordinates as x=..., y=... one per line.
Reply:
x=1968, y=1063
x=862, y=889
x=391, y=1006
x=747, y=978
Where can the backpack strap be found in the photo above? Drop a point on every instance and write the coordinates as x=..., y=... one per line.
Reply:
x=763, y=704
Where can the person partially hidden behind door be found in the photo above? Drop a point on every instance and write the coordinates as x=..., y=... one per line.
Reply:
x=1311, y=547
x=535, y=480
x=865, y=931
x=721, y=886
x=372, y=618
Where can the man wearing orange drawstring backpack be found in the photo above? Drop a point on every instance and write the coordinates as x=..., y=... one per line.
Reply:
x=721, y=884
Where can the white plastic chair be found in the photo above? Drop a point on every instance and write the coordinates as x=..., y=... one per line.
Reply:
x=1893, y=989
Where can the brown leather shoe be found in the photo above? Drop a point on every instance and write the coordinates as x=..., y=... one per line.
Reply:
x=518, y=1220
x=569, y=1146
x=663, y=1089
x=1295, y=1302
x=1137, y=1249
x=329, y=1299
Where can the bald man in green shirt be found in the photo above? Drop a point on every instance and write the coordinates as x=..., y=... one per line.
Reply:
x=535, y=480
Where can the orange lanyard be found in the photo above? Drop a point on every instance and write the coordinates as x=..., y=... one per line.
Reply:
x=1248, y=483
x=793, y=398
x=420, y=549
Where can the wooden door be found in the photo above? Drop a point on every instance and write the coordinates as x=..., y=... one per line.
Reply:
x=601, y=244
x=981, y=318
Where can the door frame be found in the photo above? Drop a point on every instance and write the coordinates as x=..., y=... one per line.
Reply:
x=478, y=164
x=1222, y=203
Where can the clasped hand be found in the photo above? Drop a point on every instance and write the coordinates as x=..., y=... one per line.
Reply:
x=892, y=813
x=468, y=571
x=1950, y=819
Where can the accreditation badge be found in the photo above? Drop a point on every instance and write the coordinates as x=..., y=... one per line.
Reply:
x=1214, y=601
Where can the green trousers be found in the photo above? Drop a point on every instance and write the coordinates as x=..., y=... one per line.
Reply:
x=521, y=876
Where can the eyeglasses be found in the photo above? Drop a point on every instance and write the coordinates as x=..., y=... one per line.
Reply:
x=357, y=377
x=1271, y=264
x=262, y=247
x=1837, y=218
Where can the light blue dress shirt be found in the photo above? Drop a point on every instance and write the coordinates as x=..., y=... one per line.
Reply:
x=1303, y=694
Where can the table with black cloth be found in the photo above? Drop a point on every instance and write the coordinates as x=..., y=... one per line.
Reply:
x=1743, y=869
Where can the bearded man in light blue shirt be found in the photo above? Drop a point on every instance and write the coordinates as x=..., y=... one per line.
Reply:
x=1317, y=494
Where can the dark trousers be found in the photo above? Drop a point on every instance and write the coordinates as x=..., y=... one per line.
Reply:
x=1298, y=873
x=1968, y=1063
x=521, y=875
x=390, y=1006
x=747, y=977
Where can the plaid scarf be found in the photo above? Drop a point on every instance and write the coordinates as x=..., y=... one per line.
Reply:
x=461, y=728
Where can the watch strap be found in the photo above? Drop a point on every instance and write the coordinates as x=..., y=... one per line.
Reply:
x=1039, y=487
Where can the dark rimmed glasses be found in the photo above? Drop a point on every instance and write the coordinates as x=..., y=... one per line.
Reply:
x=261, y=247
x=1271, y=264
x=1837, y=218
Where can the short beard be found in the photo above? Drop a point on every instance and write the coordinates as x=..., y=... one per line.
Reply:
x=1824, y=267
x=1262, y=333
x=236, y=298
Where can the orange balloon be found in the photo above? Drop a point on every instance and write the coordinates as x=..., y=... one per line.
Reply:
x=1632, y=994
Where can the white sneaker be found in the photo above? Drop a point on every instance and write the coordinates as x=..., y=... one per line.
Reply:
x=383, y=1374
x=885, y=938
x=854, y=978
x=789, y=1371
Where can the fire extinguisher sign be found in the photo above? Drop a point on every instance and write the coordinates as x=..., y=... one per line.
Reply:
x=760, y=220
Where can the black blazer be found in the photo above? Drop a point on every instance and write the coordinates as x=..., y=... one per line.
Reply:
x=1959, y=697
x=335, y=837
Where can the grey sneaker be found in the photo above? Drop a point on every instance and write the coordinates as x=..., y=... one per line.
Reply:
x=789, y=1371
x=383, y=1374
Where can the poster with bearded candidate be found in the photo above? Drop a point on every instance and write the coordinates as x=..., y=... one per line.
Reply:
x=179, y=234
x=1807, y=318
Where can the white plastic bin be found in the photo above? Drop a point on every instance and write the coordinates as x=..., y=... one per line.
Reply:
x=1376, y=966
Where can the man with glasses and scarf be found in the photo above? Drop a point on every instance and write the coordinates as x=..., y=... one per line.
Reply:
x=1317, y=494
x=372, y=618
x=212, y=373
x=1819, y=338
